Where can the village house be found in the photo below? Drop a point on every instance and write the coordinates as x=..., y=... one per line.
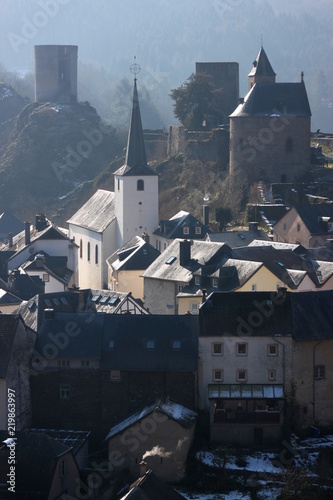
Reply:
x=308, y=225
x=108, y=220
x=90, y=371
x=16, y=346
x=239, y=238
x=161, y=434
x=128, y=263
x=264, y=364
x=9, y=226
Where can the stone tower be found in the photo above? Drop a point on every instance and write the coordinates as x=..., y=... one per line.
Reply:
x=225, y=75
x=270, y=129
x=135, y=185
x=56, y=73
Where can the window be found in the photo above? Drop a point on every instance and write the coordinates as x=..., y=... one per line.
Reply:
x=96, y=254
x=64, y=363
x=218, y=375
x=319, y=372
x=271, y=375
x=111, y=344
x=285, y=226
x=140, y=185
x=197, y=280
x=118, y=184
x=150, y=345
x=241, y=349
x=215, y=282
x=186, y=230
x=46, y=277
x=176, y=344
x=88, y=251
x=254, y=287
x=62, y=468
x=84, y=363
x=272, y=350
x=197, y=230
x=64, y=392
x=194, y=308
x=115, y=375
x=289, y=145
x=217, y=349
x=180, y=288
x=81, y=249
x=241, y=375
x=298, y=226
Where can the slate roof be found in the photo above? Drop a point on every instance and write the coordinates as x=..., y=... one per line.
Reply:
x=236, y=239
x=311, y=215
x=294, y=247
x=85, y=339
x=36, y=460
x=8, y=327
x=97, y=213
x=304, y=315
x=269, y=213
x=72, y=439
x=275, y=99
x=175, y=411
x=202, y=253
x=9, y=224
x=7, y=298
x=174, y=227
x=137, y=254
x=111, y=302
x=150, y=343
x=262, y=66
x=136, y=160
x=56, y=266
x=150, y=487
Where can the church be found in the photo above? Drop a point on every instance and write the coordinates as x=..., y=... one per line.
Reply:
x=110, y=219
x=270, y=128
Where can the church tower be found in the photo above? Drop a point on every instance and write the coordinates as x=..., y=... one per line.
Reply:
x=262, y=71
x=135, y=185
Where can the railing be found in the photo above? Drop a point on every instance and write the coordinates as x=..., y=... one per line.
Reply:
x=256, y=417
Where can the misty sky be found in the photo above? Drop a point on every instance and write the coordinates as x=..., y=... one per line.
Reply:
x=168, y=37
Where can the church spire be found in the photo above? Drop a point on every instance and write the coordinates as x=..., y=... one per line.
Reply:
x=262, y=71
x=136, y=152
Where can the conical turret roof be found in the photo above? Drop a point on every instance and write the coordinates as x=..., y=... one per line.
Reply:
x=262, y=66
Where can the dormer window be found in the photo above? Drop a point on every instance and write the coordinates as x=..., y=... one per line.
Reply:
x=215, y=282
x=140, y=185
x=197, y=280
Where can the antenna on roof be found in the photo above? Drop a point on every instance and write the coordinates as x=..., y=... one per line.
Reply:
x=302, y=76
x=135, y=68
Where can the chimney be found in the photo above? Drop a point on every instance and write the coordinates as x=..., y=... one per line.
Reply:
x=27, y=232
x=143, y=468
x=253, y=226
x=40, y=260
x=205, y=214
x=146, y=237
x=10, y=240
x=204, y=294
x=41, y=222
x=184, y=252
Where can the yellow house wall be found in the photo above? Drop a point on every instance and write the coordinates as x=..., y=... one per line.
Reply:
x=129, y=281
x=265, y=281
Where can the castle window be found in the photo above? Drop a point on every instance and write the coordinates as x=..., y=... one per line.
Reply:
x=140, y=185
x=88, y=251
x=289, y=145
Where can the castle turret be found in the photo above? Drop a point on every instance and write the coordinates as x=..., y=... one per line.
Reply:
x=262, y=71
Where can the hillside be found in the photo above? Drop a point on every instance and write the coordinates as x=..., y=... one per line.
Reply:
x=52, y=150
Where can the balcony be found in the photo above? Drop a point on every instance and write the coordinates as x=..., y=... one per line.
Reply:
x=222, y=416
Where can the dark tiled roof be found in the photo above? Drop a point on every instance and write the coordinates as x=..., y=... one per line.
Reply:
x=262, y=66
x=174, y=227
x=9, y=223
x=275, y=99
x=137, y=254
x=97, y=213
x=238, y=238
x=25, y=286
x=56, y=266
x=175, y=411
x=304, y=315
x=8, y=326
x=7, y=298
x=136, y=160
x=72, y=439
x=167, y=265
x=150, y=343
x=150, y=487
x=311, y=216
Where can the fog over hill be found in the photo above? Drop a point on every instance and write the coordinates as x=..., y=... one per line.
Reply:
x=168, y=38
